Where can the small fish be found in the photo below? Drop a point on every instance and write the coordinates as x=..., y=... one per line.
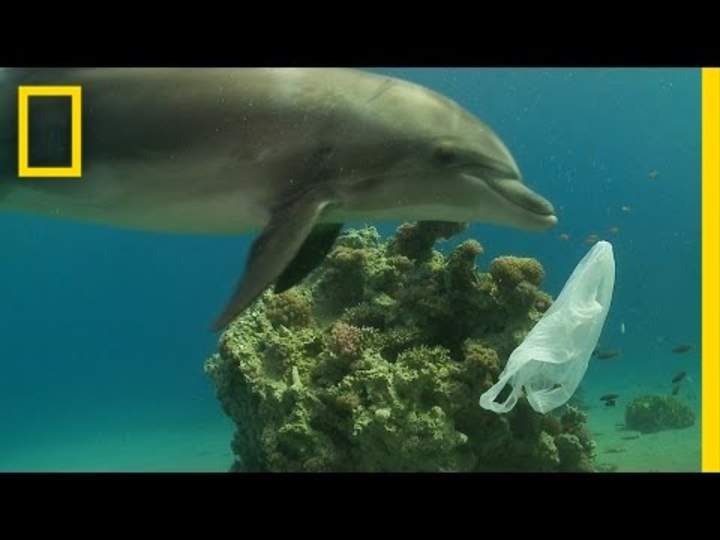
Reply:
x=606, y=354
x=610, y=403
x=682, y=349
x=679, y=377
x=622, y=328
x=609, y=397
x=652, y=175
x=626, y=209
x=564, y=236
x=617, y=450
x=591, y=239
x=630, y=437
x=676, y=389
x=614, y=230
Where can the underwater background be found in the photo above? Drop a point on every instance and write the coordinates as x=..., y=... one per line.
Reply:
x=103, y=332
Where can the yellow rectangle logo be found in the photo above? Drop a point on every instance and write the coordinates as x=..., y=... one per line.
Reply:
x=75, y=95
x=711, y=270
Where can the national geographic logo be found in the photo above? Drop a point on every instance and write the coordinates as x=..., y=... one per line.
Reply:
x=49, y=132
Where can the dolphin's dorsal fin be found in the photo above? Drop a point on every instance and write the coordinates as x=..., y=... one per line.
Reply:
x=276, y=249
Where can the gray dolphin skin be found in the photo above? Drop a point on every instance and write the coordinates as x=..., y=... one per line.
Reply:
x=293, y=153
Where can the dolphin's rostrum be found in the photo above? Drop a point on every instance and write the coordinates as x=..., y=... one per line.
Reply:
x=293, y=152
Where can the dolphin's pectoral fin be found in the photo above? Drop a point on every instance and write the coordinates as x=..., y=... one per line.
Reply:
x=311, y=254
x=273, y=251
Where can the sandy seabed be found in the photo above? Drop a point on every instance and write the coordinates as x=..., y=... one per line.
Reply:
x=205, y=447
x=676, y=450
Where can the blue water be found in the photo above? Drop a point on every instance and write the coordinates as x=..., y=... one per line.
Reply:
x=104, y=332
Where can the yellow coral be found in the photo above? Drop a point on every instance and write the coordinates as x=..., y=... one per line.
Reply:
x=510, y=271
x=482, y=358
x=345, y=340
x=289, y=309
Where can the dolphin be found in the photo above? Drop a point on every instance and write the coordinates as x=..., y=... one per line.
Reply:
x=290, y=152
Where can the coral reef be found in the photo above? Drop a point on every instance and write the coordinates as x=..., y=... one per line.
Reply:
x=651, y=413
x=376, y=362
x=416, y=240
x=289, y=309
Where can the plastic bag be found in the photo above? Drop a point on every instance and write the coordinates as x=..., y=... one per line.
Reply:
x=549, y=364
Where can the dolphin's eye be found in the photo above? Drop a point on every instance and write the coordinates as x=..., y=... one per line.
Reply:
x=445, y=155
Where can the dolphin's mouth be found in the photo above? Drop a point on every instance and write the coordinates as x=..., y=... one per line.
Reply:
x=519, y=195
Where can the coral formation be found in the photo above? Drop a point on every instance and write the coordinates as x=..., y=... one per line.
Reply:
x=651, y=413
x=289, y=309
x=376, y=362
x=416, y=240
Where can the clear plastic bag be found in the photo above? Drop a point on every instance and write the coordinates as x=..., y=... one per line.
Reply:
x=549, y=364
